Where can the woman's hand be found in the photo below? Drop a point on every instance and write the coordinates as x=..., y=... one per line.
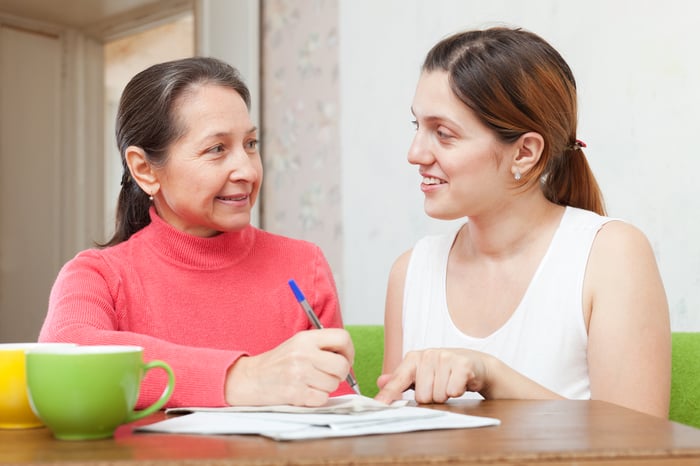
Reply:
x=436, y=375
x=302, y=371
x=439, y=374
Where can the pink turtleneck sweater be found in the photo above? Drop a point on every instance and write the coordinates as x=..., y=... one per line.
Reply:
x=196, y=303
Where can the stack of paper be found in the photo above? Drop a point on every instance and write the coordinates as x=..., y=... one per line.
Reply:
x=346, y=416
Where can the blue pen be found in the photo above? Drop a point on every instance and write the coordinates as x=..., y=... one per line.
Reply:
x=317, y=324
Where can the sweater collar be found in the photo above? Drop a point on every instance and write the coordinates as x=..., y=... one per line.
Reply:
x=217, y=251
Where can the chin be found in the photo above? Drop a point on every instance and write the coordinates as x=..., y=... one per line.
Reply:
x=440, y=215
x=232, y=224
x=234, y=227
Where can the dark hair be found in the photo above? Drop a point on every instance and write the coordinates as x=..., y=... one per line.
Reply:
x=147, y=118
x=515, y=82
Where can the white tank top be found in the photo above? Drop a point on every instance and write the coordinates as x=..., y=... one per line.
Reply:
x=545, y=339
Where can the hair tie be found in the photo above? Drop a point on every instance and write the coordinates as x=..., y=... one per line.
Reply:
x=576, y=145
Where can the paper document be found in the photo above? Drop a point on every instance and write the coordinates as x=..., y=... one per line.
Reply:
x=299, y=425
x=345, y=404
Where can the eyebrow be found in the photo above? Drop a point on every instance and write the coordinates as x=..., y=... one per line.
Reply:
x=227, y=133
x=432, y=118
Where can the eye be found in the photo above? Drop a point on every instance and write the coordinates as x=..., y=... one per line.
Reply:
x=443, y=133
x=217, y=149
x=252, y=144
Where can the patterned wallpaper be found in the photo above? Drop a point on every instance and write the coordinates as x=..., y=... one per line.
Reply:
x=300, y=143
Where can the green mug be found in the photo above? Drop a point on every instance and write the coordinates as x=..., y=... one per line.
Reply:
x=86, y=392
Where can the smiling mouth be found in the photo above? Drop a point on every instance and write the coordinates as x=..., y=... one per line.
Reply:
x=240, y=197
x=430, y=180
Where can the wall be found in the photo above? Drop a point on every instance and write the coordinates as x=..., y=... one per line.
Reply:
x=230, y=31
x=300, y=138
x=638, y=100
x=49, y=197
x=28, y=197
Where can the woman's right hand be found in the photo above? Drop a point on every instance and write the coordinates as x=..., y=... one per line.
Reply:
x=302, y=371
x=436, y=375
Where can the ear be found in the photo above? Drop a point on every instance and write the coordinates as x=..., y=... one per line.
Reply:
x=529, y=150
x=141, y=170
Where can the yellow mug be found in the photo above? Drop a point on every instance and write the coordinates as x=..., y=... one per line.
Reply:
x=15, y=410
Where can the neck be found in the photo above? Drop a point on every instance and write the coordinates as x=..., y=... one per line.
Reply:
x=506, y=232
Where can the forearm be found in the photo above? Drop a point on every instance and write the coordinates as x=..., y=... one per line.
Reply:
x=503, y=382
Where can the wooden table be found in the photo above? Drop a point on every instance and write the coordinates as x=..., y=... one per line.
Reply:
x=550, y=433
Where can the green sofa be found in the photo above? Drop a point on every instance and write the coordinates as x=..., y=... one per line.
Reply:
x=369, y=354
x=685, y=380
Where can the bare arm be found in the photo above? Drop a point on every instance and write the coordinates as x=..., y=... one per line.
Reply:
x=393, y=312
x=629, y=344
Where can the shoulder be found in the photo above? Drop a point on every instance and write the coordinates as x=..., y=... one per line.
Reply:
x=113, y=261
x=425, y=244
x=93, y=257
x=400, y=265
x=430, y=247
x=610, y=232
x=621, y=250
x=582, y=219
x=617, y=237
x=90, y=268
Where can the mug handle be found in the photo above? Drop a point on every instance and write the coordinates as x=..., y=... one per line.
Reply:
x=135, y=415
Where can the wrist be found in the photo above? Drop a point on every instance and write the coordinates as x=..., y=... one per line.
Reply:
x=235, y=385
x=490, y=370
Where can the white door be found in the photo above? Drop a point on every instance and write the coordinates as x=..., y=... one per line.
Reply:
x=30, y=80
x=50, y=164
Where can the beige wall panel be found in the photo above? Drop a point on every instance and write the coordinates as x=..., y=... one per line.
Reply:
x=30, y=76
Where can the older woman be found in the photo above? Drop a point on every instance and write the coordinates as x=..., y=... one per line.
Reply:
x=185, y=275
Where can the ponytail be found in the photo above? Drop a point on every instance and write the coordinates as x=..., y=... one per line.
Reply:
x=132, y=211
x=569, y=181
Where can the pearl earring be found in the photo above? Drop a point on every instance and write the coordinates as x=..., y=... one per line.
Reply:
x=517, y=175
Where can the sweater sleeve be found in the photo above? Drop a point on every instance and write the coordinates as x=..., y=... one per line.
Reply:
x=82, y=309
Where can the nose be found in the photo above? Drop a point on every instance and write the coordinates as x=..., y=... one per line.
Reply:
x=419, y=152
x=242, y=166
